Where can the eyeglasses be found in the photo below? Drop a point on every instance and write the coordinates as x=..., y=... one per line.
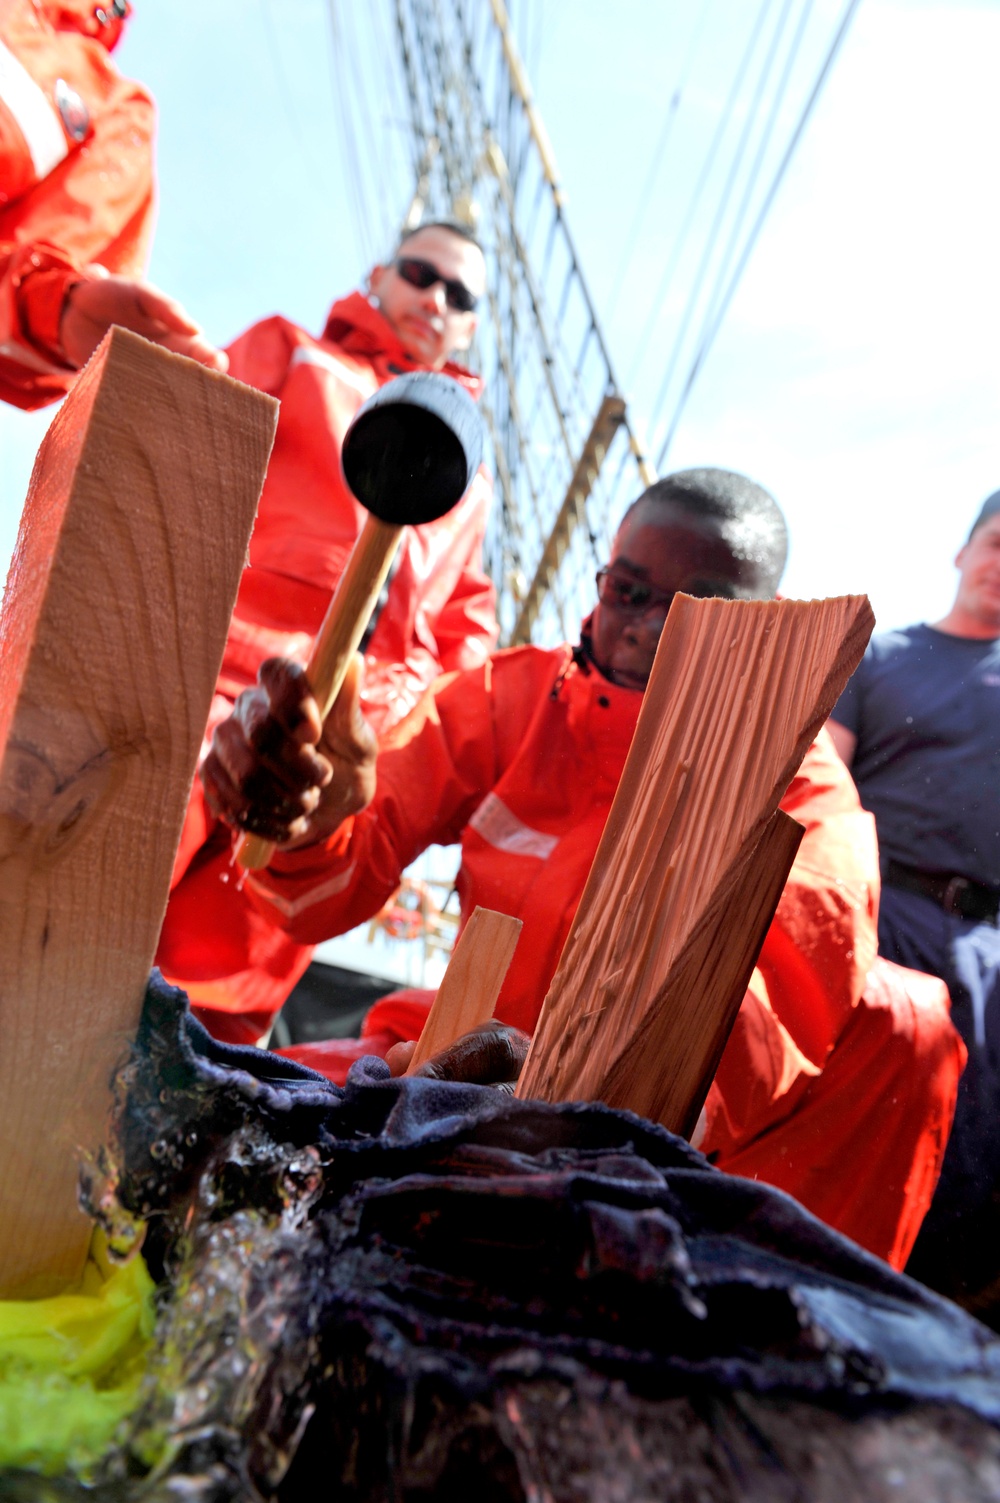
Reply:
x=634, y=596
x=631, y=596
x=424, y=274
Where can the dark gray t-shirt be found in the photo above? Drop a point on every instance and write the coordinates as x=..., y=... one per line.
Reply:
x=925, y=708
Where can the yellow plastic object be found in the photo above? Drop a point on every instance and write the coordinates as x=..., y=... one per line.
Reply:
x=70, y=1366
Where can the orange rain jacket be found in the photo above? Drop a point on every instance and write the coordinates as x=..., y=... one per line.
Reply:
x=439, y=615
x=520, y=760
x=76, y=179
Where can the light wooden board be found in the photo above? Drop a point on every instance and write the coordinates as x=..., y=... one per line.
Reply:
x=468, y=994
x=738, y=691
x=131, y=546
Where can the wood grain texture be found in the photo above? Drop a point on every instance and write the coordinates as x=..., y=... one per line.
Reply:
x=468, y=994
x=738, y=691
x=131, y=546
x=338, y=639
x=714, y=970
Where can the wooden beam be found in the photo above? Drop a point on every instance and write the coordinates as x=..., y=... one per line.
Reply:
x=468, y=994
x=130, y=550
x=671, y=917
x=610, y=416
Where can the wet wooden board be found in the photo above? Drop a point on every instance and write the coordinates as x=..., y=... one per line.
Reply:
x=131, y=546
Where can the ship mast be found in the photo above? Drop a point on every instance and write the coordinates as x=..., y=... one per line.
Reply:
x=565, y=454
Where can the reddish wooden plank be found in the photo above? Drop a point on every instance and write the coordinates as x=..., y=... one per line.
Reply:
x=738, y=691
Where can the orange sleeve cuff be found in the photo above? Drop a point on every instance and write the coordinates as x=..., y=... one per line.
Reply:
x=321, y=858
x=40, y=277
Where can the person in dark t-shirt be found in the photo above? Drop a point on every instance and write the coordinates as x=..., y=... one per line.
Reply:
x=919, y=726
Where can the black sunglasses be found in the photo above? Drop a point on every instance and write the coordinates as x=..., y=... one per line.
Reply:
x=424, y=274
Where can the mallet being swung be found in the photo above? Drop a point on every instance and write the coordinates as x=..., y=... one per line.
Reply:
x=409, y=456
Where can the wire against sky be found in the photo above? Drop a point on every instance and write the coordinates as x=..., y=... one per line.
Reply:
x=694, y=204
x=723, y=206
x=847, y=16
x=657, y=158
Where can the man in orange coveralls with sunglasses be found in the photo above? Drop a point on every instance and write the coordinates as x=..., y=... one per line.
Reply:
x=838, y=1082
x=437, y=611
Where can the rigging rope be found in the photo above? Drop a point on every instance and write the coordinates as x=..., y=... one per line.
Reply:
x=734, y=281
x=722, y=209
x=656, y=160
x=355, y=181
x=750, y=188
x=704, y=176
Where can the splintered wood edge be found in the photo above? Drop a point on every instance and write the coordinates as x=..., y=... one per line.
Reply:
x=692, y=1039
x=468, y=993
x=553, y=1048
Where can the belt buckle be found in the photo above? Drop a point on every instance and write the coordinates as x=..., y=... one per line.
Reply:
x=949, y=902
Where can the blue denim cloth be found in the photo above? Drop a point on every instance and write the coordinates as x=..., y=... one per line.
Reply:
x=958, y=1250
x=456, y=1227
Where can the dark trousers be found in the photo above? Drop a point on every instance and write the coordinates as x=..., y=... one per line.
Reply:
x=958, y=1250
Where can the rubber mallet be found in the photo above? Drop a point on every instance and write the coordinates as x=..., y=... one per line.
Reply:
x=409, y=456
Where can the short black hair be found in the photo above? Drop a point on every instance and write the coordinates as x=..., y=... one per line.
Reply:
x=744, y=514
x=453, y=227
x=989, y=509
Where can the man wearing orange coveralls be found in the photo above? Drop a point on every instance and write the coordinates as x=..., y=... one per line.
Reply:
x=438, y=612
x=76, y=200
x=838, y=1082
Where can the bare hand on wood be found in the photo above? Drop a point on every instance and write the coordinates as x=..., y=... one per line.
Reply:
x=94, y=304
x=274, y=769
x=491, y=1054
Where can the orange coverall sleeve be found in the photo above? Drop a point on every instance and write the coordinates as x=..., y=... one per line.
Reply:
x=95, y=206
x=466, y=628
x=260, y=356
x=433, y=771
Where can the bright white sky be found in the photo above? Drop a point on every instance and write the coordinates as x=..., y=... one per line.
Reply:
x=856, y=374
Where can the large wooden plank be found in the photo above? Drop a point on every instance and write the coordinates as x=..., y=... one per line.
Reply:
x=738, y=691
x=468, y=994
x=691, y=1018
x=130, y=550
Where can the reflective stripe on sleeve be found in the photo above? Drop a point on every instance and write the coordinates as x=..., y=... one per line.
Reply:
x=306, y=355
x=19, y=354
x=291, y=907
x=36, y=118
x=500, y=827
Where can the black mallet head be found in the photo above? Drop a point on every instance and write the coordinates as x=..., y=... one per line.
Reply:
x=413, y=448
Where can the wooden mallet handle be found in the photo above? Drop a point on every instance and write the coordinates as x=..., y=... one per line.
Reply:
x=338, y=638
x=409, y=456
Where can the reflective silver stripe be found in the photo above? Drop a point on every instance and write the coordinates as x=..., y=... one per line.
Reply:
x=37, y=120
x=501, y=828
x=20, y=354
x=305, y=355
x=290, y=907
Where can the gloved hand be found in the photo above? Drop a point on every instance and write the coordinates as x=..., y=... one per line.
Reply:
x=276, y=770
x=490, y=1054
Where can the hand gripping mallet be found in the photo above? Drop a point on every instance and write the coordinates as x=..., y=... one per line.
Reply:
x=409, y=456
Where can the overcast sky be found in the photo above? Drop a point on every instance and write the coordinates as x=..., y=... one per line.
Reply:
x=855, y=374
